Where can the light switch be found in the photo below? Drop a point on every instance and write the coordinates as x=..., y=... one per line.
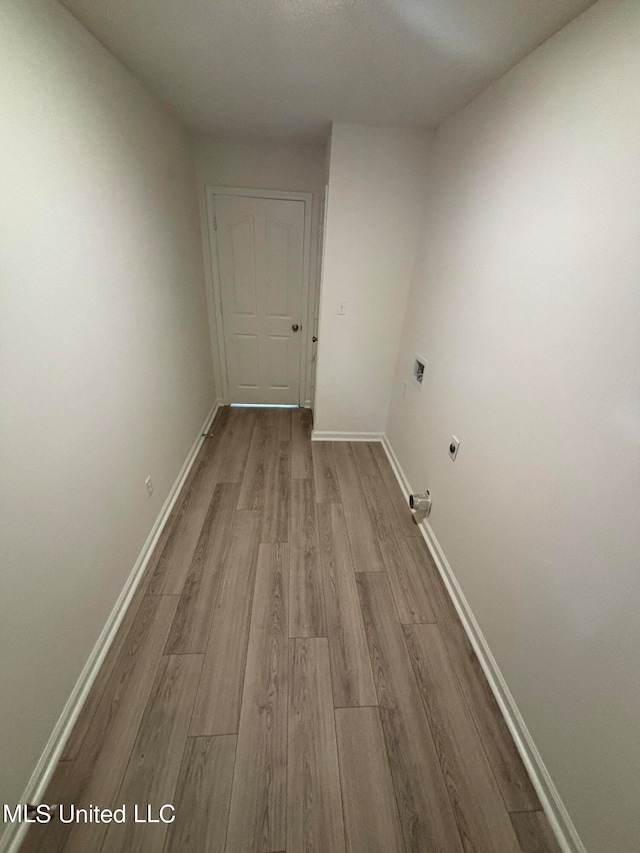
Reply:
x=342, y=308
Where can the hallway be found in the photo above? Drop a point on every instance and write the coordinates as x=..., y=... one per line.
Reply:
x=291, y=674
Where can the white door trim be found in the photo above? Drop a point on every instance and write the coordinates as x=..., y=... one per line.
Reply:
x=307, y=310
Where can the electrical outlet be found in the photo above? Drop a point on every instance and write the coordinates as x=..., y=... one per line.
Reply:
x=454, y=444
x=149, y=484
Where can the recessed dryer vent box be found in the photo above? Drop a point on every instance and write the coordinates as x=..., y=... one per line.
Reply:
x=419, y=368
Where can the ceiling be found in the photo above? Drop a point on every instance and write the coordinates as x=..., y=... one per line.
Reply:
x=284, y=69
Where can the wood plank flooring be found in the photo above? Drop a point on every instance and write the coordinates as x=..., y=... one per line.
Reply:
x=291, y=675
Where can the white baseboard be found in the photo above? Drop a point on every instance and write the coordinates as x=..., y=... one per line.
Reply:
x=36, y=786
x=317, y=435
x=561, y=823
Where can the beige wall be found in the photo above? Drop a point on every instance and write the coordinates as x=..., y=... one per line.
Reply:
x=266, y=166
x=106, y=373
x=526, y=301
x=376, y=196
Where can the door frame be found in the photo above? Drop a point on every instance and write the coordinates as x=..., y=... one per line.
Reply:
x=216, y=294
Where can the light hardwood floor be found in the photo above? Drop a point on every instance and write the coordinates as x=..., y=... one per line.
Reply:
x=292, y=676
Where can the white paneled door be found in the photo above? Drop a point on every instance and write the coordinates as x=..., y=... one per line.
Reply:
x=260, y=263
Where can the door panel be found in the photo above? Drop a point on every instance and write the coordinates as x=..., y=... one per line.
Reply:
x=260, y=263
x=278, y=357
x=243, y=266
x=246, y=353
x=278, y=277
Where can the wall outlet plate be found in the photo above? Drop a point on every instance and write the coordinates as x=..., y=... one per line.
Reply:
x=454, y=446
x=418, y=371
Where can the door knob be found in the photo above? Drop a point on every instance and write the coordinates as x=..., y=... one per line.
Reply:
x=295, y=327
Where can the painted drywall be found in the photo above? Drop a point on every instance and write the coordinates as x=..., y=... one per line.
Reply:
x=525, y=302
x=376, y=177
x=266, y=166
x=106, y=373
x=280, y=69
